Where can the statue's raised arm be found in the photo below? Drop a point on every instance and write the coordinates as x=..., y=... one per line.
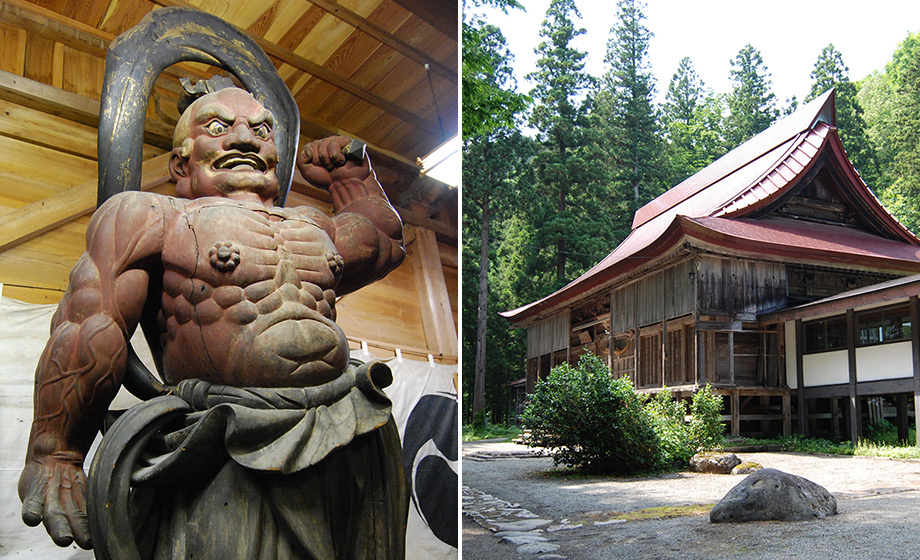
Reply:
x=368, y=231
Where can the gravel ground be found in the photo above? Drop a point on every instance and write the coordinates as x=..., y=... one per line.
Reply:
x=878, y=504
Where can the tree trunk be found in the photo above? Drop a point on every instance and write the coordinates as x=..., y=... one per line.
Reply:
x=479, y=379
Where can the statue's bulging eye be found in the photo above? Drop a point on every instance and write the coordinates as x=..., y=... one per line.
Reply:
x=216, y=127
x=262, y=131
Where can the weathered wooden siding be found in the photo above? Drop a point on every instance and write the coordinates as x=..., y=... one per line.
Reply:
x=733, y=287
x=661, y=295
x=548, y=335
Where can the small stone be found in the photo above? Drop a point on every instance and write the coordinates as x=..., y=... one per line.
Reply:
x=525, y=525
x=714, y=463
x=610, y=522
x=524, y=539
x=537, y=548
x=563, y=527
x=747, y=467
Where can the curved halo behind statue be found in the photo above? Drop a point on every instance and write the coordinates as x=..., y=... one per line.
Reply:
x=164, y=37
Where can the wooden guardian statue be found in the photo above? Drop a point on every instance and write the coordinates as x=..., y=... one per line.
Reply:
x=261, y=439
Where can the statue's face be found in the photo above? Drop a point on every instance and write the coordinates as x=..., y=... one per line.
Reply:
x=230, y=147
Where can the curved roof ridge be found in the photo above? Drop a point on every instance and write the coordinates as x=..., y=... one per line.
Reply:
x=806, y=117
x=800, y=156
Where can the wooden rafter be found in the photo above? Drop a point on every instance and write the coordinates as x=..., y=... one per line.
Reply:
x=385, y=37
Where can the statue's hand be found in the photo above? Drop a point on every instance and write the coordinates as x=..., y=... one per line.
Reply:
x=322, y=163
x=53, y=491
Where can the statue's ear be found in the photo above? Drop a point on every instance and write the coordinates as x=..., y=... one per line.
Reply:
x=178, y=165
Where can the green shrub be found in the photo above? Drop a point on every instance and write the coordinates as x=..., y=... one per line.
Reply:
x=591, y=421
x=706, y=428
x=673, y=432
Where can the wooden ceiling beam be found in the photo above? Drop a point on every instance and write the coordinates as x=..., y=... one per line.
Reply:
x=59, y=28
x=290, y=57
x=363, y=24
x=49, y=99
x=34, y=219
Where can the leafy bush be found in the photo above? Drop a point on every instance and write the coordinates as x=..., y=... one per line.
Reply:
x=592, y=421
x=706, y=428
x=667, y=416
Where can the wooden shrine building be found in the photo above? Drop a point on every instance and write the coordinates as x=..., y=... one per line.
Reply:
x=713, y=283
x=383, y=71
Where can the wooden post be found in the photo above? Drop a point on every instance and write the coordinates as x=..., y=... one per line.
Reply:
x=764, y=406
x=664, y=350
x=851, y=366
x=731, y=358
x=901, y=404
x=800, y=376
x=915, y=354
x=434, y=301
x=736, y=412
x=787, y=413
x=835, y=417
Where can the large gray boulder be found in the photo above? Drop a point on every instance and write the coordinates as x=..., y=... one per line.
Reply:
x=772, y=495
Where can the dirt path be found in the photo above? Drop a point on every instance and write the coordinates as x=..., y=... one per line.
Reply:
x=878, y=504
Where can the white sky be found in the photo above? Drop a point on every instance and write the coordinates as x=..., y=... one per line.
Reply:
x=788, y=33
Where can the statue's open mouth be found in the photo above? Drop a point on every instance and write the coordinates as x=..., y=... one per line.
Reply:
x=241, y=162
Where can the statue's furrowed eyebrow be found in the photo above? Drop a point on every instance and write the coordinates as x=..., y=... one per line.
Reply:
x=263, y=116
x=212, y=110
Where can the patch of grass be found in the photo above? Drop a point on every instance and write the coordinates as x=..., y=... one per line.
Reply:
x=878, y=443
x=492, y=431
x=872, y=449
x=666, y=512
x=660, y=512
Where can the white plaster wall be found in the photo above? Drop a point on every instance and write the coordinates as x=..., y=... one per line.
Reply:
x=885, y=361
x=792, y=378
x=826, y=368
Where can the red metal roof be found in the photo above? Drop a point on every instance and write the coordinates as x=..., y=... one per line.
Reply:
x=795, y=239
x=709, y=206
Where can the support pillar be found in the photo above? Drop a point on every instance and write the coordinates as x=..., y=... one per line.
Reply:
x=915, y=355
x=851, y=366
x=800, y=376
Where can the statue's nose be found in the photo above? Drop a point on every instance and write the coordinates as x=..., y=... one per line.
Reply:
x=241, y=138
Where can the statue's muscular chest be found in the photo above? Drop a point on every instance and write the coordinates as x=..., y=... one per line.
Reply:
x=225, y=243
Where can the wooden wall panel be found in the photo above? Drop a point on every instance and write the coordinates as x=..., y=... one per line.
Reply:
x=729, y=286
x=663, y=294
x=13, y=53
x=386, y=311
x=49, y=170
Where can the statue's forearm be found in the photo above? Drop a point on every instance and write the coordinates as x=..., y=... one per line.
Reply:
x=77, y=378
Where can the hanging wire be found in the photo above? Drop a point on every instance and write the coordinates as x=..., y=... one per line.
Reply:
x=435, y=99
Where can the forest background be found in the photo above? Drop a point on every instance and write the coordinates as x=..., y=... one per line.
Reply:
x=552, y=177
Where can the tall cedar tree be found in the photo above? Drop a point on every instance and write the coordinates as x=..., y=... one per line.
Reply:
x=903, y=72
x=489, y=99
x=490, y=107
x=831, y=72
x=625, y=112
x=559, y=118
x=491, y=167
x=692, y=120
x=751, y=104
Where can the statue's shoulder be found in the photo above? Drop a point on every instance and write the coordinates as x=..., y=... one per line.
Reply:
x=140, y=202
x=306, y=212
